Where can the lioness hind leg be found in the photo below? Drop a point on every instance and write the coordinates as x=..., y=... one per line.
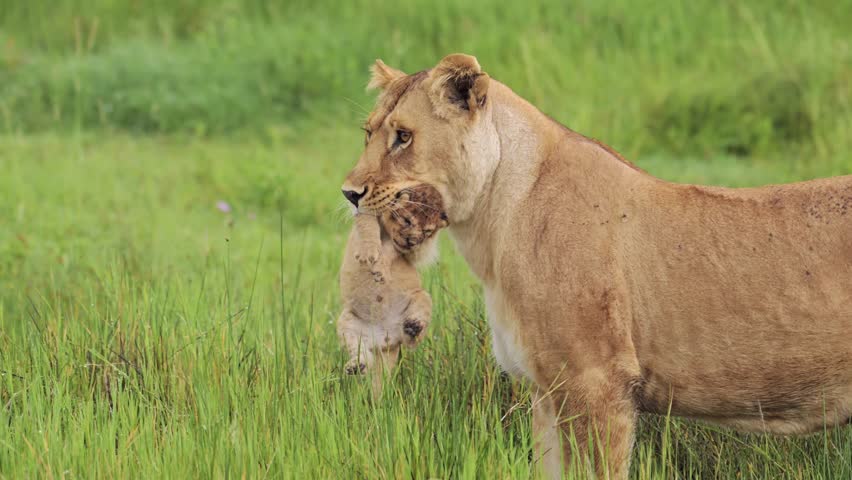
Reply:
x=600, y=413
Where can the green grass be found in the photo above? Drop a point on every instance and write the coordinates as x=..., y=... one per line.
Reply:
x=144, y=333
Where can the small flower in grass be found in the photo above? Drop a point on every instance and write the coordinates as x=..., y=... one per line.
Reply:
x=223, y=206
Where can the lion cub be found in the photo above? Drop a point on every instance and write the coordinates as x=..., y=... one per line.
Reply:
x=384, y=305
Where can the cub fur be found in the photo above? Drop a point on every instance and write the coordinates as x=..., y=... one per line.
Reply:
x=384, y=304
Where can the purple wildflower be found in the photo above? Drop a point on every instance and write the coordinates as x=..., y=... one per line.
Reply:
x=223, y=206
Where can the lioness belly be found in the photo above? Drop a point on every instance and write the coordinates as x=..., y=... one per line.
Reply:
x=753, y=365
x=786, y=365
x=783, y=397
x=508, y=349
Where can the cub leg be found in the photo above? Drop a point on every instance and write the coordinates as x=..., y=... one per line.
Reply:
x=368, y=249
x=358, y=345
x=385, y=360
x=416, y=317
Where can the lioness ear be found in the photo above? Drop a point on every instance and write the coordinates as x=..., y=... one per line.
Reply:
x=458, y=82
x=382, y=75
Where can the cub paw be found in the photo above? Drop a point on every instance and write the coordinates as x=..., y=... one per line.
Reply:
x=378, y=275
x=413, y=329
x=354, y=367
x=367, y=257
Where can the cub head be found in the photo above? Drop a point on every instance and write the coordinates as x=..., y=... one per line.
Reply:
x=414, y=217
x=430, y=128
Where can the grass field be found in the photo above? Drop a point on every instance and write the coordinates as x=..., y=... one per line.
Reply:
x=145, y=332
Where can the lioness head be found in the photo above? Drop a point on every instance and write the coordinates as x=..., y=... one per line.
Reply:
x=428, y=128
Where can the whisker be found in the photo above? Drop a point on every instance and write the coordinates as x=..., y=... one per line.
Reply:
x=343, y=212
x=396, y=216
x=361, y=108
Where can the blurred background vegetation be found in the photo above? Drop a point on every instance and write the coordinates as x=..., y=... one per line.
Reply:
x=738, y=78
x=170, y=221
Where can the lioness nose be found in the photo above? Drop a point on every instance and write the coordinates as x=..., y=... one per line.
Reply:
x=354, y=196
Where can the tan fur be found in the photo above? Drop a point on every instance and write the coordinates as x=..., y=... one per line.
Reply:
x=384, y=305
x=614, y=292
x=382, y=75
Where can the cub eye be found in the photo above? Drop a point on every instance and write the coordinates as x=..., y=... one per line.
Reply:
x=403, y=137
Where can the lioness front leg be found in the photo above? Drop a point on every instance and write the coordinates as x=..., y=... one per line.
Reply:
x=416, y=317
x=368, y=250
x=597, y=408
x=547, y=448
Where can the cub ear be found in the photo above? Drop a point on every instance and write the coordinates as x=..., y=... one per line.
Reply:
x=444, y=220
x=382, y=75
x=458, y=83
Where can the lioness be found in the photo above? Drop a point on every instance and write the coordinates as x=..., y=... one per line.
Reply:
x=614, y=292
x=384, y=305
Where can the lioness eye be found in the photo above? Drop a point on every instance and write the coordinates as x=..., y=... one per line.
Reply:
x=367, y=136
x=402, y=137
